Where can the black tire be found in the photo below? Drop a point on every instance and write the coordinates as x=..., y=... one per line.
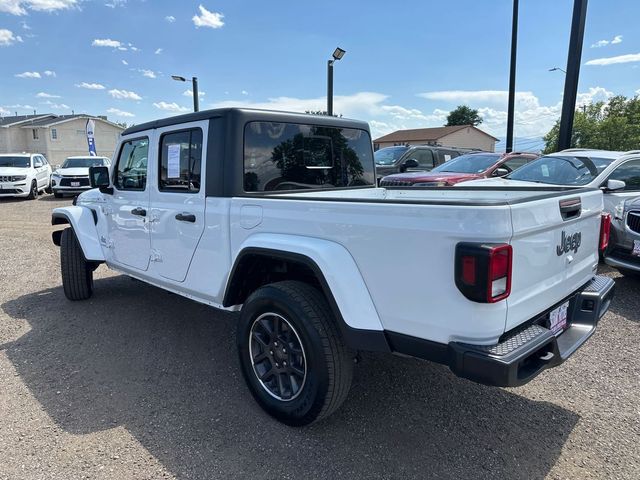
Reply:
x=328, y=362
x=77, y=273
x=48, y=189
x=33, y=193
x=57, y=195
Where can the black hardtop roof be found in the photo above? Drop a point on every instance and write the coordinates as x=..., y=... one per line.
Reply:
x=252, y=114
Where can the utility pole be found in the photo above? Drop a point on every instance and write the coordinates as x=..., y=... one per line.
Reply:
x=512, y=77
x=573, y=73
x=330, y=87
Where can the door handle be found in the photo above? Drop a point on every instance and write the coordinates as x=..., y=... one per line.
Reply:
x=186, y=217
x=141, y=212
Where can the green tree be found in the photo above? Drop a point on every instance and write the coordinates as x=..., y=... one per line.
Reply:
x=611, y=125
x=463, y=115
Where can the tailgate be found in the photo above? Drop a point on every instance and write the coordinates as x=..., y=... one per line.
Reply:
x=555, y=251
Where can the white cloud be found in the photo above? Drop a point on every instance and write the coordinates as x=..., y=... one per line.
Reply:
x=208, y=19
x=25, y=25
x=244, y=92
x=595, y=94
x=492, y=96
x=107, y=42
x=57, y=106
x=115, y=3
x=50, y=73
x=631, y=57
x=158, y=51
x=8, y=38
x=170, y=107
x=189, y=93
x=91, y=86
x=46, y=95
x=124, y=94
x=170, y=18
x=120, y=113
x=148, y=73
x=21, y=107
x=20, y=7
x=28, y=75
x=4, y=112
x=124, y=62
x=603, y=43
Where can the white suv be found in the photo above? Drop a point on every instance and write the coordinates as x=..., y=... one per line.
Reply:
x=24, y=174
x=73, y=175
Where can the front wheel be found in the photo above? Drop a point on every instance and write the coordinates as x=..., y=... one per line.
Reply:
x=33, y=192
x=77, y=273
x=291, y=352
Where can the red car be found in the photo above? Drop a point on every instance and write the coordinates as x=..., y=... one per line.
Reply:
x=460, y=169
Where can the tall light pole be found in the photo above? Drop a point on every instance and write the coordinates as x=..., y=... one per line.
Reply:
x=572, y=73
x=194, y=89
x=337, y=55
x=512, y=78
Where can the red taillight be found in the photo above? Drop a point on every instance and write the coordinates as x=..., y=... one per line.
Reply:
x=483, y=271
x=605, y=231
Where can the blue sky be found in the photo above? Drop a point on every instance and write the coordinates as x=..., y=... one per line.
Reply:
x=407, y=63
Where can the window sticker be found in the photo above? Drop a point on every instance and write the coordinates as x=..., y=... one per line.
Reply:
x=545, y=170
x=173, y=163
x=447, y=157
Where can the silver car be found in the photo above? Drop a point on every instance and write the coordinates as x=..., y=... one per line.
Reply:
x=623, y=252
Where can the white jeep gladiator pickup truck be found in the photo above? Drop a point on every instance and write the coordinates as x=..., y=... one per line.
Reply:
x=277, y=215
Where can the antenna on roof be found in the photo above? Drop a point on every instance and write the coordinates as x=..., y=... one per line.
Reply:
x=72, y=112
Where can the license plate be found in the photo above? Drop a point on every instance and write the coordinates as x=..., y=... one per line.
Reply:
x=636, y=248
x=558, y=319
x=75, y=184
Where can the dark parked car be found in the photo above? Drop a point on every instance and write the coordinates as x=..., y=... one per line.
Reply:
x=623, y=251
x=415, y=158
x=470, y=166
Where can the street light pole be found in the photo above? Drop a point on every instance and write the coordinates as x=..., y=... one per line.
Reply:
x=194, y=90
x=337, y=55
x=512, y=77
x=573, y=73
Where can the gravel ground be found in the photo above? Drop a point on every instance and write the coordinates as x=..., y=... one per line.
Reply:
x=137, y=383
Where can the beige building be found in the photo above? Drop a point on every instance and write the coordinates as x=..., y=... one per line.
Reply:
x=466, y=136
x=57, y=136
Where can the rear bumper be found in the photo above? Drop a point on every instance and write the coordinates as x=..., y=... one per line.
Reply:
x=523, y=353
x=623, y=261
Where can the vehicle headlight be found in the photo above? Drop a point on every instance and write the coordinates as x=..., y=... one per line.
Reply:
x=17, y=178
x=56, y=174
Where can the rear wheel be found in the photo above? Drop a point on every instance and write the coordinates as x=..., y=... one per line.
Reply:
x=291, y=353
x=77, y=273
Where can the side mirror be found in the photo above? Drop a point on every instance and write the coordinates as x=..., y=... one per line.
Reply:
x=410, y=163
x=613, y=185
x=500, y=172
x=99, y=178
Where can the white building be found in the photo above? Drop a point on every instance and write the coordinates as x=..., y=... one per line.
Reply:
x=56, y=136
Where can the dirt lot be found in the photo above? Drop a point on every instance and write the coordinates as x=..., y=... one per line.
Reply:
x=138, y=383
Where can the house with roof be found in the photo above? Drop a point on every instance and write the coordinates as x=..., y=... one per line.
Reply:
x=466, y=136
x=57, y=136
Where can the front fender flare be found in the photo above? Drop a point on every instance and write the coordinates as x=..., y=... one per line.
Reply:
x=82, y=220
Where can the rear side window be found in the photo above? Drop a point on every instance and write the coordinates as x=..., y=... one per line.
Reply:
x=131, y=171
x=629, y=173
x=180, y=161
x=289, y=156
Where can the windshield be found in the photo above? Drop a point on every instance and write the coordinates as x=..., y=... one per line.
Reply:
x=475, y=163
x=388, y=155
x=19, y=162
x=561, y=170
x=83, y=162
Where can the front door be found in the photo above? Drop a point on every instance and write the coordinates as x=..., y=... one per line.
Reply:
x=178, y=198
x=629, y=173
x=128, y=207
x=41, y=171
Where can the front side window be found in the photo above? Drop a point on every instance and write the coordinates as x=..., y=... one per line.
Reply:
x=423, y=156
x=514, y=163
x=37, y=162
x=629, y=173
x=131, y=171
x=290, y=156
x=561, y=170
x=180, y=161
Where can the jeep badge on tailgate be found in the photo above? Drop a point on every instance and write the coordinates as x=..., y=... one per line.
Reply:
x=569, y=243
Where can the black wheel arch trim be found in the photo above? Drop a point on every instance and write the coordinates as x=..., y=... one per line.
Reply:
x=355, y=338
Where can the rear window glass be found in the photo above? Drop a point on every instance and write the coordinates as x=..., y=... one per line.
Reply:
x=562, y=170
x=289, y=156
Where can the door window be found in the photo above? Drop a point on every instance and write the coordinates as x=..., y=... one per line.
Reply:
x=423, y=156
x=514, y=163
x=37, y=162
x=131, y=171
x=180, y=161
x=629, y=173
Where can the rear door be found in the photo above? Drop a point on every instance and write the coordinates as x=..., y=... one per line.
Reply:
x=178, y=198
x=555, y=250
